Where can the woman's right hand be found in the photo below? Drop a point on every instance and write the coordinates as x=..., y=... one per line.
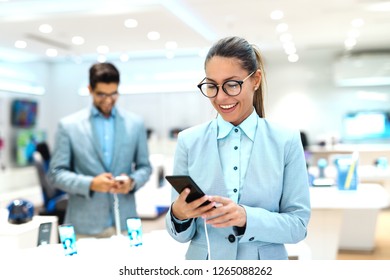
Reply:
x=183, y=210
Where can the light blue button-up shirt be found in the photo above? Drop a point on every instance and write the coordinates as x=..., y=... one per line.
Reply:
x=104, y=128
x=235, y=146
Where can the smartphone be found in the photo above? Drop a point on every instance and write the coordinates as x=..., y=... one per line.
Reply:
x=68, y=239
x=134, y=230
x=121, y=178
x=44, y=233
x=179, y=183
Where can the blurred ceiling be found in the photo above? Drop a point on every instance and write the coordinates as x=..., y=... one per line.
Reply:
x=187, y=27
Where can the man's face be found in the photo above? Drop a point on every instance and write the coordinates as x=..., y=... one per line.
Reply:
x=104, y=97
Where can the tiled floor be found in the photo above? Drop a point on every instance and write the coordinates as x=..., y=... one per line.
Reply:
x=381, y=252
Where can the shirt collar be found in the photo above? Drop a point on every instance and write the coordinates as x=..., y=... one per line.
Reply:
x=96, y=113
x=248, y=126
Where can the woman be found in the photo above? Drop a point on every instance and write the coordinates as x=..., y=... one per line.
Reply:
x=253, y=171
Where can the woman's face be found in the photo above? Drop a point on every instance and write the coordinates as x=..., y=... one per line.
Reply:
x=233, y=109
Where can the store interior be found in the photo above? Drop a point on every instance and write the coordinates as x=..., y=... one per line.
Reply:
x=328, y=76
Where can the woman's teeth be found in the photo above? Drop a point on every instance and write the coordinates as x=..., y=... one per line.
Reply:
x=227, y=106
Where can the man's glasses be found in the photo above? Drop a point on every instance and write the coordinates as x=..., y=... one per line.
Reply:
x=101, y=95
x=230, y=87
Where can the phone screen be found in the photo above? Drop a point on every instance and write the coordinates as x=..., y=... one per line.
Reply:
x=68, y=239
x=44, y=234
x=134, y=230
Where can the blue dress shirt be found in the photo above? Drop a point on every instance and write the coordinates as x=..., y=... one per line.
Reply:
x=235, y=146
x=104, y=128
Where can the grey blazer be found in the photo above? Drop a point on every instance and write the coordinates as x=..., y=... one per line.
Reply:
x=275, y=193
x=77, y=158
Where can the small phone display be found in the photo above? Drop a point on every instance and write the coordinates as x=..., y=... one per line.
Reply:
x=179, y=183
x=121, y=178
x=134, y=230
x=44, y=233
x=68, y=239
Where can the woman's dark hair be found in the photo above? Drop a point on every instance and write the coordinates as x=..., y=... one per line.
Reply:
x=250, y=58
x=103, y=73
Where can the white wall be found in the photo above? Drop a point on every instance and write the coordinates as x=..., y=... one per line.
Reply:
x=301, y=95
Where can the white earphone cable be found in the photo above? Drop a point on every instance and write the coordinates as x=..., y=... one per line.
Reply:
x=207, y=240
x=117, y=215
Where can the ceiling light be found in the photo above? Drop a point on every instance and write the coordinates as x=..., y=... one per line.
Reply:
x=51, y=52
x=276, y=15
x=171, y=45
x=124, y=57
x=78, y=40
x=131, y=23
x=20, y=44
x=293, y=57
x=282, y=27
x=357, y=22
x=102, y=49
x=153, y=35
x=349, y=43
x=45, y=28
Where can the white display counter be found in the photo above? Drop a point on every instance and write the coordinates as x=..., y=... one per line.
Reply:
x=157, y=245
x=344, y=219
x=22, y=236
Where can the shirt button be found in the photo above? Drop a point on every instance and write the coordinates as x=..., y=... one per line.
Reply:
x=235, y=190
x=235, y=168
x=231, y=238
x=235, y=147
x=236, y=130
x=251, y=239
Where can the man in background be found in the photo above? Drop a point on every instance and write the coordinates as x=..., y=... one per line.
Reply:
x=93, y=147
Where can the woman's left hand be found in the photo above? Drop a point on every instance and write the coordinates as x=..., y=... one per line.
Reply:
x=226, y=214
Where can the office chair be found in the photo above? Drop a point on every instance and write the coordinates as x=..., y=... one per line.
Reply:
x=54, y=200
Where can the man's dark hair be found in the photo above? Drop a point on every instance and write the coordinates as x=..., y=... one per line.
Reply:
x=103, y=73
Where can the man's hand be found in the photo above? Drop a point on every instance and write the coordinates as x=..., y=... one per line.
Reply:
x=102, y=183
x=124, y=185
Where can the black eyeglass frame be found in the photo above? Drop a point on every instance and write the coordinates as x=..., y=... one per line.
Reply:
x=239, y=82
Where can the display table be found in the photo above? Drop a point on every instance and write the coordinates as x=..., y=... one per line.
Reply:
x=25, y=235
x=344, y=219
x=157, y=245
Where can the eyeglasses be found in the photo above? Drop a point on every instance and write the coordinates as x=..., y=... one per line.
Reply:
x=101, y=95
x=230, y=87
